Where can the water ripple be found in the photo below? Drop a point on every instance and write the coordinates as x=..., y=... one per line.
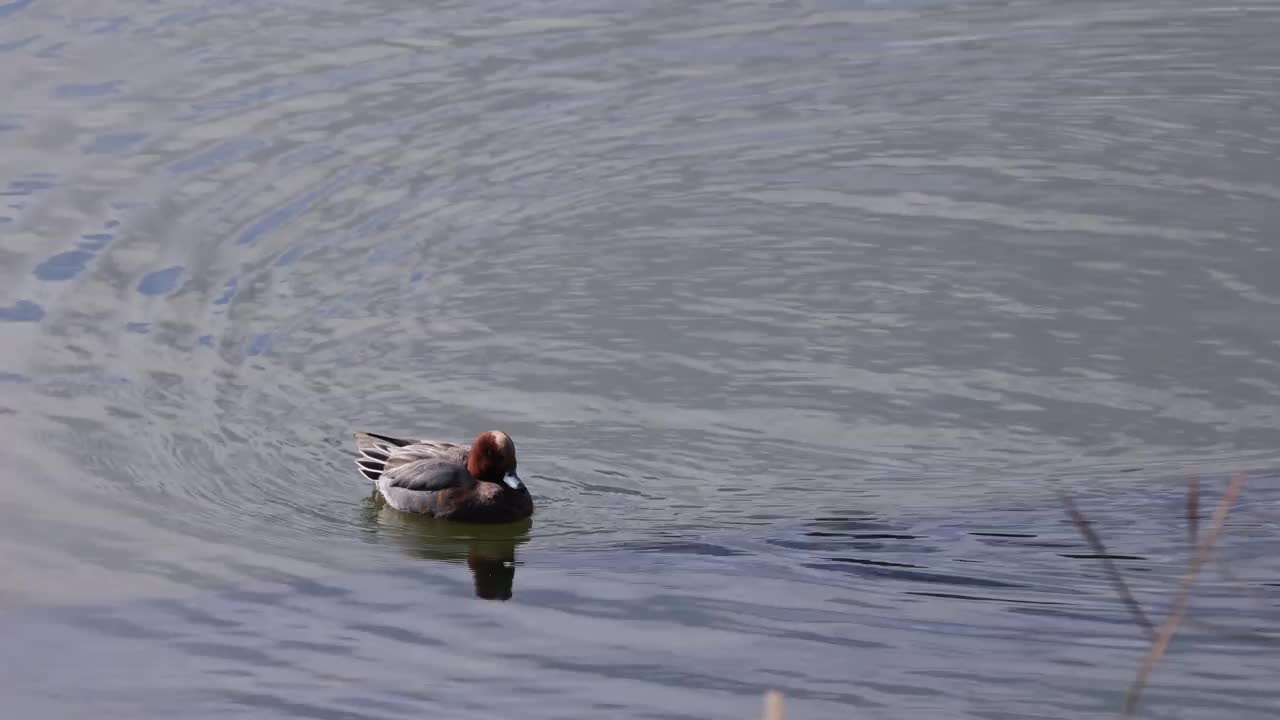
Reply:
x=792, y=312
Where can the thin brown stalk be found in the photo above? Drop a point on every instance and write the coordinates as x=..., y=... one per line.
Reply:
x=1113, y=573
x=773, y=705
x=1204, y=549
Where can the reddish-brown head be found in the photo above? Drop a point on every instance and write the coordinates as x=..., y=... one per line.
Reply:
x=493, y=459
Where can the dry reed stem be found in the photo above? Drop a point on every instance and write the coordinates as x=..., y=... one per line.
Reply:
x=1224, y=567
x=1225, y=570
x=1113, y=573
x=1204, y=549
x=773, y=705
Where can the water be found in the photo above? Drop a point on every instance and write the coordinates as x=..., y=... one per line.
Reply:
x=793, y=310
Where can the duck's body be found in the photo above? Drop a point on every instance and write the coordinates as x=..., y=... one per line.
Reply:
x=469, y=483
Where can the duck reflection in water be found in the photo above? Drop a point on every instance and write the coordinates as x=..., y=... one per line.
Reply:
x=489, y=550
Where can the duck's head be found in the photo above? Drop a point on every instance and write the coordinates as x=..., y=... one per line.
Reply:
x=493, y=459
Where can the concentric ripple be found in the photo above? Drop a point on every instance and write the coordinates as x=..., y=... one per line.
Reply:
x=792, y=311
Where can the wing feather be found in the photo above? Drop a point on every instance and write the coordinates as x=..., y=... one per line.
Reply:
x=426, y=475
x=382, y=454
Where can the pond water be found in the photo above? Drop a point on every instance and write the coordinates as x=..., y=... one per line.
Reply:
x=799, y=314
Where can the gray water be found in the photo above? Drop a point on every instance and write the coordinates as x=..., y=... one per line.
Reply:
x=798, y=314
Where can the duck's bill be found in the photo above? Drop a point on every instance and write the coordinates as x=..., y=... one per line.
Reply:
x=513, y=481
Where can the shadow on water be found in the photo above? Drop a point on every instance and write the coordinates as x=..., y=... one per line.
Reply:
x=488, y=550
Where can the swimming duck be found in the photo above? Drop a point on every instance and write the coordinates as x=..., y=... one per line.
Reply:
x=476, y=483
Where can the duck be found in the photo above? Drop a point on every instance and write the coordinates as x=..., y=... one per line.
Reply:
x=474, y=483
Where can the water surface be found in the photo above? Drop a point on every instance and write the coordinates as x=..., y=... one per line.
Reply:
x=797, y=313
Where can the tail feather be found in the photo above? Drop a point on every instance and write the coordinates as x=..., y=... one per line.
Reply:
x=369, y=469
x=374, y=452
x=385, y=440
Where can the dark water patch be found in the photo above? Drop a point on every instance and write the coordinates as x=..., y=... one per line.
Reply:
x=296, y=584
x=13, y=45
x=217, y=156
x=373, y=606
x=22, y=311
x=1043, y=545
x=685, y=548
x=193, y=615
x=1101, y=556
x=281, y=707
x=88, y=90
x=398, y=634
x=232, y=672
x=228, y=292
x=670, y=677
x=609, y=489
x=1001, y=600
x=876, y=563
x=104, y=25
x=113, y=143
x=290, y=256
x=11, y=8
x=864, y=536
x=52, y=51
x=63, y=266
x=260, y=344
x=322, y=648
x=397, y=709
x=234, y=653
x=30, y=185
x=910, y=575
x=900, y=689
x=256, y=597
x=103, y=622
x=161, y=282
x=279, y=217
